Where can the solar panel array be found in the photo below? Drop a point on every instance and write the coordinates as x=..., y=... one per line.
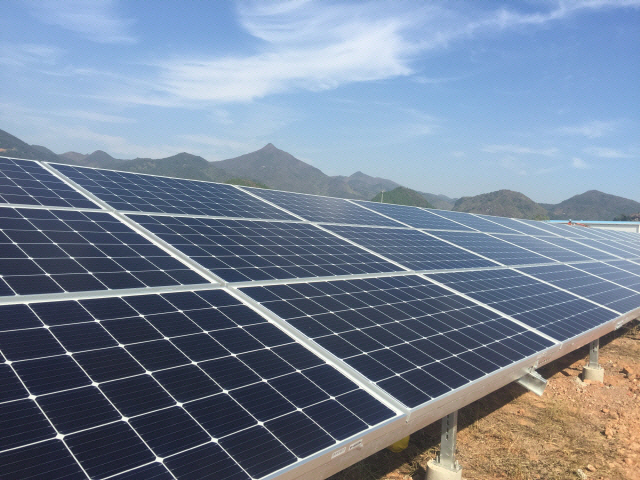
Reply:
x=153, y=327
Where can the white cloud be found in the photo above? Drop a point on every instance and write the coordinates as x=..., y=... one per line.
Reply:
x=309, y=45
x=604, y=152
x=96, y=20
x=594, y=129
x=520, y=150
x=579, y=164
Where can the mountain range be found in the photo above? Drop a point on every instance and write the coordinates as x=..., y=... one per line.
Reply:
x=274, y=168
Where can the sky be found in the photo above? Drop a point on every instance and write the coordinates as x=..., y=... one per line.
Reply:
x=456, y=98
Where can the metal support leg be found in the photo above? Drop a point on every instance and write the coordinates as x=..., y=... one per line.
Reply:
x=445, y=466
x=594, y=350
x=593, y=371
x=447, y=456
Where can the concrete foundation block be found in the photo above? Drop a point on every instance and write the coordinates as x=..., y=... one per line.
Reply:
x=435, y=471
x=595, y=374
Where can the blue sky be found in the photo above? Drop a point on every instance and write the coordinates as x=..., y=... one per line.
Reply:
x=459, y=98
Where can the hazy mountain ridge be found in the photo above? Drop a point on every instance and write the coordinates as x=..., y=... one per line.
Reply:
x=275, y=168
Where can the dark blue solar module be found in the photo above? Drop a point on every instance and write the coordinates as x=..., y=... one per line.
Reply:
x=323, y=209
x=240, y=250
x=548, y=229
x=414, y=216
x=493, y=248
x=415, y=340
x=543, y=307
x=630, y=250
x=23, y=182
x=53, y=251
x=541, y=246
x=413, y=249
x=148, y=193
x=588, y=286
x=575, y=245
x=182, y=369
x=621, y=272
x=529, y=227
x=612, y=248
x=480, y=223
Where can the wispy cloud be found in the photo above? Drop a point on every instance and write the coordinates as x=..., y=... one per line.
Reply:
x=20, y=55
x=579, y=164
x=96, y=20
x=593, y=129
x=520, y=150
x=604, y=152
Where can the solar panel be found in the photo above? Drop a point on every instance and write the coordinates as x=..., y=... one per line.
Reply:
x=52, y=251
x=148, y=193
x=171, y=378
x=588, y=286
x=550, y=311
x=413, y=249
x=415, y=217
x=148, y=383
x=540, y=245
x=323, y=209
x=415, y=340
x=611, y=249
x=241, y=250
x=24, y=182
x=621, y=272
x=476, y=222
x=492, y=248
x=576, y=246
x=516, y=225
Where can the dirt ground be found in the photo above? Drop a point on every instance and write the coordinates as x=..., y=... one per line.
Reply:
x=576, y=430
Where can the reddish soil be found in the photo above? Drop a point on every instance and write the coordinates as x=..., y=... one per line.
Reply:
x=576, y=430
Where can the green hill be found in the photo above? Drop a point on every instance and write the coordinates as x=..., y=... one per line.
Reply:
x=503, y=203
x=402, y=196
x=593, y=205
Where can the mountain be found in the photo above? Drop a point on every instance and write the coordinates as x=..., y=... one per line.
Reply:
x=14, y=147
x=441, y=202
x=593, y=205
x=402, y=196
x=283, y=171
x=503, y=203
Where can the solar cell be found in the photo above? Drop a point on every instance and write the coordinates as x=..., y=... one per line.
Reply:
x=589, y=286
x=550, y=311
x=24, y=182
x=611, y=248
x=415, y=340
x=476, y=222
x=415, y=217
x=53, y=251
x=576, y=246
x=240, y=250
x=413, y=249
x=621, y=272
x=323, y=209
x=541, y=246
x=71, y=383
x=518, y=225
x=492, y=248
x=135, y=192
